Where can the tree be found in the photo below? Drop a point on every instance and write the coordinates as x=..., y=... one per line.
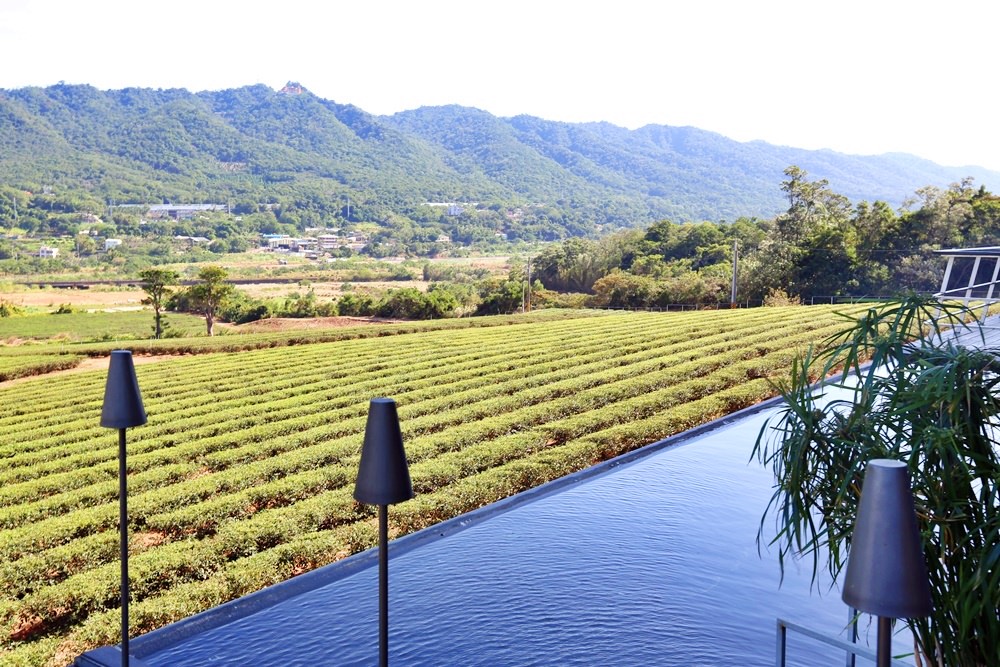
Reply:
x=500, y=296
x=575, y=264
x=412, y=304
x=156, y=284
x=85, y=245
x=932, y=405
x=210, y=294
x=810, y=203
x=623, y=290
x=355, y=305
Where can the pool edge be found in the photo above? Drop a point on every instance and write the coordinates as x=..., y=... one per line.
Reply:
x=247, y=605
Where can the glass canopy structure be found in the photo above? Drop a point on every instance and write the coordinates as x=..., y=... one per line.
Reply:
x=971, y=276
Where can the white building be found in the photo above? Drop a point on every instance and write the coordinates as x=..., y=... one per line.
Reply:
x=48, y=253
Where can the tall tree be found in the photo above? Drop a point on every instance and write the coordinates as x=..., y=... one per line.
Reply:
x=575, y=264
x=156, y=283
x=210, y=294
x=810, y=204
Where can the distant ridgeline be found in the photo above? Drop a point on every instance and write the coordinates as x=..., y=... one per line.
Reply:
x=307, y=161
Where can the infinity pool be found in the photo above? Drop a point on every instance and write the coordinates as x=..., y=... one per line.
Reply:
x=650, y=561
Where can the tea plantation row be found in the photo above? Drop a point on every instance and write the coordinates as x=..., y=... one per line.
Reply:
x=243, y=475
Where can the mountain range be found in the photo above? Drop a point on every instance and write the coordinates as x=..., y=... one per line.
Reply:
x=144, y=145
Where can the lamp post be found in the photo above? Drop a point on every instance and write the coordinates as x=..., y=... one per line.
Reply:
x=886, y=572
x=383, y=479
x=122, y=409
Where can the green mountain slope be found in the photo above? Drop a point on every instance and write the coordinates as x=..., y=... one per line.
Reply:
x=259, y=145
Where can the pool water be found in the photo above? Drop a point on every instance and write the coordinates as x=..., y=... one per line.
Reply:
x=651, y=562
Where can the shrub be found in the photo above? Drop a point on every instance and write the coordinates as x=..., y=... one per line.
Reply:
x=8, y=309
x=355, y=305
x=411, y=304
x=779, y=297
x=932, y=405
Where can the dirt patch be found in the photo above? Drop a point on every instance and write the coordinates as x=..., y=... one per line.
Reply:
x=146, y=541
x=102, y=363
x=327, y=290
x=293, y=323
x=26, y=627
x=68, y=650
x=43, y=298
x=92, y=364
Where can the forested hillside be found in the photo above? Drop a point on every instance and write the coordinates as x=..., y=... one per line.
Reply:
x=316, y=161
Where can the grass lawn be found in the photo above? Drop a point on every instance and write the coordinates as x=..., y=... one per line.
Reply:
x=79, y=326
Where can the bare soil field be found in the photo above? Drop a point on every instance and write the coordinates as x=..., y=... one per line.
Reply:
x=97, y=298
x=291, y=323
x=82, y=298
x=93, y=364
x=327, y=290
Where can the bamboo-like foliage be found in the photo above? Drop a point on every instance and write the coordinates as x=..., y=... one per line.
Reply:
x=920, y=399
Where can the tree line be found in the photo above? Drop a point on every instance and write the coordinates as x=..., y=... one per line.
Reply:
x=821, y=246
x=216, y=299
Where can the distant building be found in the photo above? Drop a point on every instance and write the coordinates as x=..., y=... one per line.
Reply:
x=191, y=241
x=451, y=208
x=304, y=245
x=329, y=241
x=276, y=241
x=286, y=243
x=182, y=211
x=48, y=253
x=111, y=244
x=317, y=244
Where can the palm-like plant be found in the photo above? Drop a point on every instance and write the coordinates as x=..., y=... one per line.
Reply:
x=917, y=397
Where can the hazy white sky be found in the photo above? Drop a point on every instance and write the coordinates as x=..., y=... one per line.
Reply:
x=861, y=77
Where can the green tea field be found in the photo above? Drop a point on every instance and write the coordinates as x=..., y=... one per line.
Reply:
x=243, y=475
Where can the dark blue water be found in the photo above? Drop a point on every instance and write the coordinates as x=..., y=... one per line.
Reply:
x=652, y=563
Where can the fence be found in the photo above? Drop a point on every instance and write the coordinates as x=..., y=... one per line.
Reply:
x=851, y=649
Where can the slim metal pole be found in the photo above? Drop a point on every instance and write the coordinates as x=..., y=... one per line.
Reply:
x=123, y=529
x=383, y=585
x=529, y=283
x=883, y=654
x=852, y=623
x=782, y=644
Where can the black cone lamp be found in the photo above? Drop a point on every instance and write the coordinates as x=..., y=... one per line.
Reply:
x=122, y=409
x=886, y=572
x=383, y=480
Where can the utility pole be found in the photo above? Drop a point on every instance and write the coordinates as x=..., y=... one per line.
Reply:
x=736, y=253
x=529, y=283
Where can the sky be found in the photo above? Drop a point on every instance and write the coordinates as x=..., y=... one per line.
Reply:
x=856, y=77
